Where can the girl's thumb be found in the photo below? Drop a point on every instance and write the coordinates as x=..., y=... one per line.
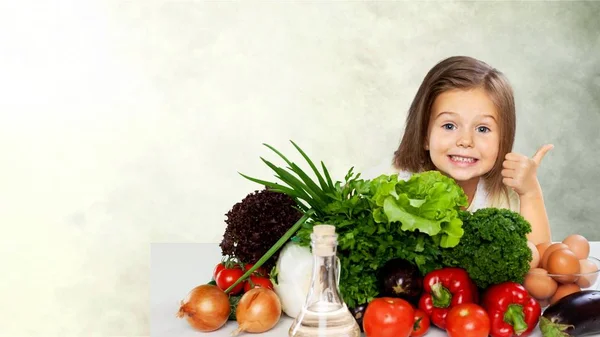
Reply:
x=541, y=152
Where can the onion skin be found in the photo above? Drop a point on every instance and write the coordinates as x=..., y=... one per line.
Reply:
x=258, y=311
x=207, y=308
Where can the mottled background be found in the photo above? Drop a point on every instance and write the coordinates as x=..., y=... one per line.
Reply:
x=125, y=123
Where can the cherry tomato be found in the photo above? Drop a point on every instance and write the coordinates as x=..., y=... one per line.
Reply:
x=261, y=271
x=217, y=269
x=227, y=277
x=257, y=281
x=421, y=325
x=389, y=317
x=467, y=320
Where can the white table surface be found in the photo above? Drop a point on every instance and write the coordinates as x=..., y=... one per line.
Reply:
x=176, y=268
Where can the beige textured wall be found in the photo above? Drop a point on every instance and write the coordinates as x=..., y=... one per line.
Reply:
x=125, y=123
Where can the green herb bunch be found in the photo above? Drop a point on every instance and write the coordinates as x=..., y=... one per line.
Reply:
x=494, y=247
x=376, y=220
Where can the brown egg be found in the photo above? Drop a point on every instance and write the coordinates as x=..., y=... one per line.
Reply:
x=542, y=249
x=564, y=263
x=539, y=284
x=578, y=245
x=564, y=290
x=590, y=268
x=535, y=256
x=549, y=250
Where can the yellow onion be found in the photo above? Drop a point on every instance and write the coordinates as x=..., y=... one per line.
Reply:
x=258, y=311
x=207, y=308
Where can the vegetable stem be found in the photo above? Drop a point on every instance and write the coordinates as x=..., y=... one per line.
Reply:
x=514, y=316
x=551, y=329
x=273, y=249
x=440, y=295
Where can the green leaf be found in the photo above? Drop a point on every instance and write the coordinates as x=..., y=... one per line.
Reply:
x=278, y=153
x=314, y=168
x=410, y=222
x=296, y=169
x=280, y=188
x=326, y=172
x=349, y=174
x=428, y=202
x=309, y=182
x=297, y=185
x=416, y=202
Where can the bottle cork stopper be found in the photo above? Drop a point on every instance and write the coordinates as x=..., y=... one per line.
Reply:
x=324, y=246
x=323, y=230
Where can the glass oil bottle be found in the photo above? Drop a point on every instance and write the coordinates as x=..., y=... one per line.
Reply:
x=324, y=313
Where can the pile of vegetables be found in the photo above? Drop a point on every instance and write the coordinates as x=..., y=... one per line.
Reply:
x=410, y=257
x=419, y=220
x=450, y=301
x=389, y=218
x=243, y=291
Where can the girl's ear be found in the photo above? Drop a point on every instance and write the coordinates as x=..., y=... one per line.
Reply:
x=426, y=145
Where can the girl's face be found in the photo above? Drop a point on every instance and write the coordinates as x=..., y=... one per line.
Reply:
x=463, y=134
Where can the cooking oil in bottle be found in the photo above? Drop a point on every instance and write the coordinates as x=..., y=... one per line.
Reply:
x=324, y=313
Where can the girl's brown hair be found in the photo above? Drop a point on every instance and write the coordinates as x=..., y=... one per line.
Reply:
x=464, y=73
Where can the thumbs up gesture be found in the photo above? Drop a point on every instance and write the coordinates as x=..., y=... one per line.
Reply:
x=520, y=172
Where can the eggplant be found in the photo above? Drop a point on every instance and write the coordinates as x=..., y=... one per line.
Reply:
x=359, y=313
x=400, y=278
x=574, y=315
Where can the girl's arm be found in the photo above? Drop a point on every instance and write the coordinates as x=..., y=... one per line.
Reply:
x=520, y=173
x=533, y=210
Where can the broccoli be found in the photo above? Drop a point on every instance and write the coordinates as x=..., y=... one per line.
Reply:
x=493, y=248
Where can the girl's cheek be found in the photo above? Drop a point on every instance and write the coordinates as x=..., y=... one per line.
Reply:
x=493, y=147
x=443, y=143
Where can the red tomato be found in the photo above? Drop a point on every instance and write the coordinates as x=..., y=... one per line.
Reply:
x=257, y=281
x=421, y=325
x=261, y=271
x=388, y=317
x=217, y=269
x=467, y=320
x=227, y=277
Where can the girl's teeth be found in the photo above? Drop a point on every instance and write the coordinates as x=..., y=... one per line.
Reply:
x=463, y=159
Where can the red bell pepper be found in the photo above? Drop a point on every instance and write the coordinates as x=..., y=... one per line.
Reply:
x=512, y=311
x=443, y=289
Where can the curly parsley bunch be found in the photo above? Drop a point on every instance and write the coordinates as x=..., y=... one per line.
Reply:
x=493, y=248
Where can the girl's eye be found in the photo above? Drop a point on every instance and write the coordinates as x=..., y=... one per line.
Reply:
x=448, y=126
x=483, y=129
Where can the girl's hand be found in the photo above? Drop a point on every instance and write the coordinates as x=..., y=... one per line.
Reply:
x=520, y=172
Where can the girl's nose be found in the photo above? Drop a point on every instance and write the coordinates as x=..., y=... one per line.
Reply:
x=465, y=140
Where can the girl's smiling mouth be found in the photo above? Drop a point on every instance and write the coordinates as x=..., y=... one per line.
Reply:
x=462, y=161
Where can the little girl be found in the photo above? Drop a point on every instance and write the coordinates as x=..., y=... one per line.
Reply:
x=462, y=123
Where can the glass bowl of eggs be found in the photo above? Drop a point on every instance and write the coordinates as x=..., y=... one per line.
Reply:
x=560, y=269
